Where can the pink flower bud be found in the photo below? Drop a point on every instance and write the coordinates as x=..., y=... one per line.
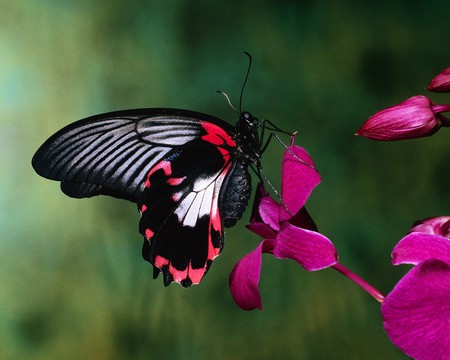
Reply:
x=441, y=82
x=413, y=118
x=435, y=226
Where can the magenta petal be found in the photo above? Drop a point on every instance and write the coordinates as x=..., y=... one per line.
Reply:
x=298, y=179
x=417, y=247
x=441, y=82
x=416, y=313
x=311, y=250
x=269, y=210
x=264, y=219
x=262, y=230
x=244, y=278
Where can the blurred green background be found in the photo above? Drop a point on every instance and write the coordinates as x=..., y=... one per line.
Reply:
x=73, y=284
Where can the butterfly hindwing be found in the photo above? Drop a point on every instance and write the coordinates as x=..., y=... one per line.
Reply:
x=181, y=220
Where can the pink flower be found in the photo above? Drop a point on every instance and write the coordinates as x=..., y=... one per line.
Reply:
x=416, y=313
x=287, y=229
x=441, y=82
x=415, y=117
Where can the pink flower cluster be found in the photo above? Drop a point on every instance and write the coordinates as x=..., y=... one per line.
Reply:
x=287, y=229
x=416, y=313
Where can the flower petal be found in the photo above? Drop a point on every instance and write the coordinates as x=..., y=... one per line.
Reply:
x=298, y=179
x=269, y=210
x=416, y=313
x=410, y=119
x=436, y=226
x=262, y=230
x=417, y=247
x=244, y=277
x=310, y=249
x=441, y=82
x=264, y=218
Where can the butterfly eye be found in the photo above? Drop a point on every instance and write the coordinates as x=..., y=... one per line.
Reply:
x=249, y=118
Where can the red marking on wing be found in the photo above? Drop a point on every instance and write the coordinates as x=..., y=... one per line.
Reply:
x=175, y=181
x=215, y=222
x=149, y=233
x=216, y=135
x=160, y=261
x=165, y=165
x=225, y=153
x=219, y=137
x=143, y=208
x=177, y=196
x=213, y=252
x=196, y=275
x=178, y=275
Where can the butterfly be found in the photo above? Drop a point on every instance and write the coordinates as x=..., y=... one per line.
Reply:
x=187, y=172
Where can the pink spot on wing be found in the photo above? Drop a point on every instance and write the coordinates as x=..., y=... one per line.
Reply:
x=213, y=252
x=216, y=135
x=178, y=275
x=149, y=234
x=196, y=275
x=160, y=261
x=215, y=219
x=143, y=208
x=175, y=181
x=225, y=153
x=165, y=165
x=177, y=196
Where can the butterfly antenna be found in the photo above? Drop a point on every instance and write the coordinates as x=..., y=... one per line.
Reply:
x=229, y=101
x=245, y=80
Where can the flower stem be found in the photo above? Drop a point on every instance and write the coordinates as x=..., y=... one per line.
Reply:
x=378, y=296
x=440, y=108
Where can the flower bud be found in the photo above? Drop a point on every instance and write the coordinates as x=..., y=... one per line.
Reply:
x=413, y=118
x=435, y=226
x=441, y=82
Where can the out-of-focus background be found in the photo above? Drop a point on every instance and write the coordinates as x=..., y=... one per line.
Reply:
x=73, y=284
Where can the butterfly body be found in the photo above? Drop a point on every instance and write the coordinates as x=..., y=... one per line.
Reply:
x=186, y=171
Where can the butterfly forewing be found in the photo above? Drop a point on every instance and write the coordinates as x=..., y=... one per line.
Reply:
x=112, y=153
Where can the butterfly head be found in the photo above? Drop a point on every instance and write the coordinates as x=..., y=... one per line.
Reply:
x=248, y=118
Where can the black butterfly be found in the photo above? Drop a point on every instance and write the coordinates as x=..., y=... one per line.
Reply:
x=187, y=172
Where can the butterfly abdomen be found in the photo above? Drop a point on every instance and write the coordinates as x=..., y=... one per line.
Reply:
x=235, y=194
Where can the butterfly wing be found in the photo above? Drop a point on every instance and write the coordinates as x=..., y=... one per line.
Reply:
x=181, y=222
x=172, y=163
x=111, y=154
